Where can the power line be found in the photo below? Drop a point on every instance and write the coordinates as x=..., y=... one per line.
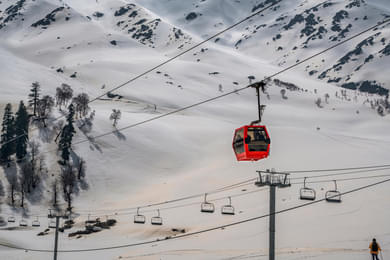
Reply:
x=195, y=232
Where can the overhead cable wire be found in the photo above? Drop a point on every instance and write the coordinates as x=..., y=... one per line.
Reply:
x=124, y=211
x=195, y=232
x=231, y=92
x=237, y=90
x=188, y=50
x=214, y=191
x=334, y=169
x=242, y=194
x=246, y=183
x=169, y=60
x=345, y=179
x=340, y=173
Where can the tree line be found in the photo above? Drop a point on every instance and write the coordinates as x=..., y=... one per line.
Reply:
x=19, y=153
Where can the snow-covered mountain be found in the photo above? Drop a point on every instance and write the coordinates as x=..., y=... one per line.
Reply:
x=96, y=45
x=291, y=30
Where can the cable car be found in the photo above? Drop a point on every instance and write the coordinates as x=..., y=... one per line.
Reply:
x=207, y=207
x=307, y=193
x=333, y=195
x=139, y=219
x=157, y=220
x=36, y=223
x=23, y=223
x=228, y=209
x=251, y=143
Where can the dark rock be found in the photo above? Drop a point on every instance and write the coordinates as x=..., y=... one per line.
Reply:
x=98, y=14
x=124, y=9
x=191, y=16
x=48, y=19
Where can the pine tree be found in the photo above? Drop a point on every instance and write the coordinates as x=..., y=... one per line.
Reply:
x=21, y=131
x=34, y=97
x=65, y=142
x=7, y=134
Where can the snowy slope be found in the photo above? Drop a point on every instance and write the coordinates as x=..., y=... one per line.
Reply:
x=190, y=152
x=292, y=30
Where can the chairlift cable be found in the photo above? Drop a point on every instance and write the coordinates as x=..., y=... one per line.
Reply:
x=338, y=174
x=334, y=169
x=115, y=212
x=195, y=232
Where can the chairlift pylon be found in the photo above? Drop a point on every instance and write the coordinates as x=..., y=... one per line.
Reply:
x=228, y=209
x=207, y=207
x=139, y=219
x=333, y=195
x=157, y=220
x=307, y=193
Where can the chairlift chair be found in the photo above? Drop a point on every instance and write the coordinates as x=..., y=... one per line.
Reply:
x=307, y=193
x=52, y=223
x=333, y=195
x=228, y=209
x=36, y=223
x=11, y=219
x=207, y=207
x=139, y=219
x=23, y=223
x=157, y=220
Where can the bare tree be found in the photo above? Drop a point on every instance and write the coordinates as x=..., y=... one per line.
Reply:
x=318, y=102
x=45, y=105
x=34, y=152
x=13, y=187
x=115, y=116
x=251, y=78
x=63, y=95
x=58, y=127
x=327, y=98
x=26, y=177
x=67, y=93
x=68, y=182
x=283, y=93
x=81, y=167
x=81, y=104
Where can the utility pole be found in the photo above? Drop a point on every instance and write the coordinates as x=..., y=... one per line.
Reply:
x=273, y=180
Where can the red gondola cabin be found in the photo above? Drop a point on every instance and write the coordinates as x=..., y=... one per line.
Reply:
x=251, y=143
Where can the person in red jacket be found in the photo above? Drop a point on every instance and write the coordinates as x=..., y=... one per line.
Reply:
x=374, y=249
